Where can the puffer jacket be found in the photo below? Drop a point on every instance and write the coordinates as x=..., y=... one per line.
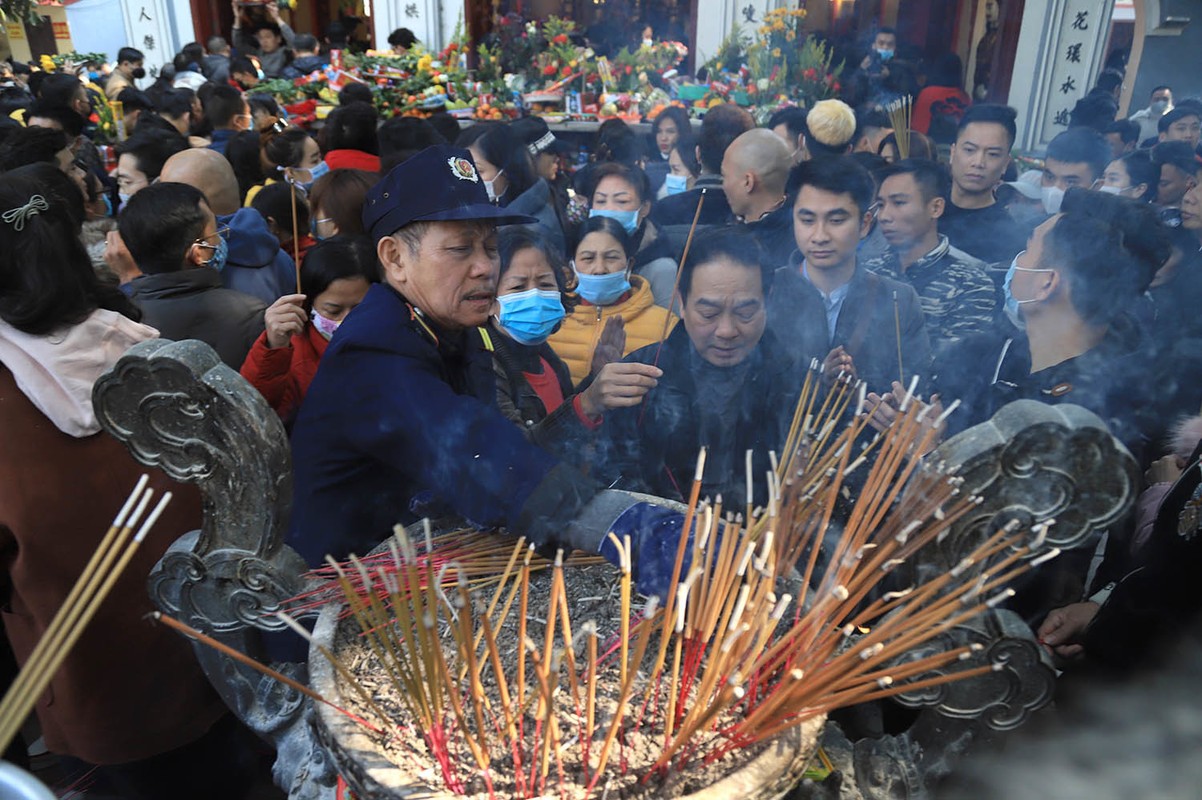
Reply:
x=577, y=337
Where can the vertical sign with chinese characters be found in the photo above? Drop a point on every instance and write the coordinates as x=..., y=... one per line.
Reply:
x=1073, y=55
x=148, y=28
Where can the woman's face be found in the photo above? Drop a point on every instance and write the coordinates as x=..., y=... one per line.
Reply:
x=1116, y=175
x=310, y=153
x=547, y=164
x=489, y=172
x=323, y=225
x=666, y=135
x=528, y=269
x=888, y=152
x=676, y=167
x=616, y=194
x=600, y=253
x=340, y=297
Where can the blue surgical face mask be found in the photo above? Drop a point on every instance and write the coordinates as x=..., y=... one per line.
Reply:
x=601, y=290
x=675, y=184
x=627, y=219
x=315, y=172
x=1012, y=304
x=531, y=316
x=885, y=54
x=220, y=254
x=108, y=204
x=124, y=198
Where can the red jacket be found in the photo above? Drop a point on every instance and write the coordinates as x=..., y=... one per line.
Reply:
x=352, y=159
x=283, y=374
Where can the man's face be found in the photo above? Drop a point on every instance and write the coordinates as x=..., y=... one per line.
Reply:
x=1064, y=175
x=1191, y=206
x=80, y=104
x=884, y=41
x=247, y=80
x=200, y=252
x=724, y=312
x=130, y=179
x=827, y=227
x=979, y=157
x=269, y=41
x=452, y=278
x=1163, y=95
x=1117, y=146
x=905, y=217
x=1173, y=184
x=128, y=68
x=244, y=120
x=1186, y=129
x=1026, y=284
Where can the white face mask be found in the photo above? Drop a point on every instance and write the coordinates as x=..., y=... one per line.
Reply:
x=1110, y=189
x=1052, y=198
x=490, y=186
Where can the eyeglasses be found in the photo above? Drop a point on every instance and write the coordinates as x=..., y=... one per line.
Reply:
x=222, y=232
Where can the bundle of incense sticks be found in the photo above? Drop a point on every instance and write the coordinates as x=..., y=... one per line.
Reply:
x=899, y=118
x=93, y=586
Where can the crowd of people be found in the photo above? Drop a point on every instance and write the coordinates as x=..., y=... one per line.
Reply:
x=451, y=318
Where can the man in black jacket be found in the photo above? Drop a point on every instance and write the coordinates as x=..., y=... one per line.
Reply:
x=172, y=236
x=754, y=173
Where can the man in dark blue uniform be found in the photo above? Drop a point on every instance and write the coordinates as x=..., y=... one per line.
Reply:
x=401, y=419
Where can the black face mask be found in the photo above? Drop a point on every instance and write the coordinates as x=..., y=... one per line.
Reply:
x=139, y=73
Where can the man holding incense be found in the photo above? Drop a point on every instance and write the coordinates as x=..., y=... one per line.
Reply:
x=401, y=421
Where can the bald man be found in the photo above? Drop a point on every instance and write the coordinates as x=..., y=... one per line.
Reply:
x=253, y=262
x=755, y=169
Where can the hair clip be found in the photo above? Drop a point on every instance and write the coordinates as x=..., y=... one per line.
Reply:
x=17, y=216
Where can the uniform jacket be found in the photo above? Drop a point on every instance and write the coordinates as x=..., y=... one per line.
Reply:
x=283, y=374
x=577, y=337
x=679, y=209
x=866, y=327
x=957, y=295
x=192, y=304
x=653, y=447
x=401, y=421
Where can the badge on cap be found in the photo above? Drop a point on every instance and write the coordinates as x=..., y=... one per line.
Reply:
x=463, y=169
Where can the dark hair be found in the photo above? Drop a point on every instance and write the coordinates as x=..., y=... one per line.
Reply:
x=13, y=98
x=505, y=151
x=403, y=37
x=990, y=112
x=223, y=104
x=1142, y=169
x=446, y=125
x=837, y=175
x=921, y=146
x=948, y=70
x=872, y=162
x=304, y=41
x=151, y=149
x=1127, y=130
x=1180, y=111
x=355, y=92
x=512, y=239
x=1109, y=80
x=243, y=151
x=242, y=64
x=1179, y=154
x=621, y=146
x=885, y=29
x=721, y=126
x=274, y=200
x=632, y=175
x=729, y=242
x=1081, y=145
x=339, y=257
x=194, y=52
x=263, y=103
x=286, y=149
x=1096, y=110
x=59, y=89
x=1110, y=248
x=160, y=223
x=352, y=127
x=46, y=278
x=870, y=117
x=174, y=103
x=931, y=177
x=401, y=138
x=793, y=118
x=135, y=99
x=215, y=44
x=342, y=193
x=604, y=225
x=71, y=122
x=31, y=146
x=1156, y=89
x=686, y=147
x=269, y=26
x=129, y=54
x=678, y=115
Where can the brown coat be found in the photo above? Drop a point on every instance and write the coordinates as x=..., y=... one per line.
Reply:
x=129, y=689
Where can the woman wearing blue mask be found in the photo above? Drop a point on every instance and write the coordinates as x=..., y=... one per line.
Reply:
x=617, y=314
x=683, y=169
x=290, y=153
x=622, y=193
x=534, y=386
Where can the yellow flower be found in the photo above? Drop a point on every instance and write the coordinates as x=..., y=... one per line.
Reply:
x=776, y=52
x=790, y=36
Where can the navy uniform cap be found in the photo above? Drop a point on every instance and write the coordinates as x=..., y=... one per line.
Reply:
x=439, y=183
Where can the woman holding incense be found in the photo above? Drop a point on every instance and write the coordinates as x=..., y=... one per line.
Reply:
x=534, y=387
x=129, y=697
x=616, y=314
x=335, y=276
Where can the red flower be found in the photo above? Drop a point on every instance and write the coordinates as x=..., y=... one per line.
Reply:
x=629, y=69
x=560, y=38
x=566, y=71
x=810, y=74
x=549, y=69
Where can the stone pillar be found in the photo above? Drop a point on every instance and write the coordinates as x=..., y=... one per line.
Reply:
x=432, y=21
x=159, y=29
x=1060, y=53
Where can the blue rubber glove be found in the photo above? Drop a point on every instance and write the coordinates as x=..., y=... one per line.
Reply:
x=654, y=533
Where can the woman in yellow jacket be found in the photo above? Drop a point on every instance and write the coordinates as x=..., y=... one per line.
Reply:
x=617, y=313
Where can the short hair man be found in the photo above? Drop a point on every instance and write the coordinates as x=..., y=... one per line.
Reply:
x=721, y=126
x=129, y=69
x=872, y=126
x=229, y=114
x=1182, y=124
x=1160, y=102
x=140, y=159
x=172, y=236
x=403, y=407
x=216, y=64
x=401, y=40
x=134, y=103
x=175, y=106
x=728, y=385
x=60, y=118
x=269, y=41
x=828, y=307
x=35, y=145
x=974, y=221
x=307, y=57
x=790, y=125
x=1076, y=158
x=255, y=264
x=957, y=295
x=245, y=72
x=1123, y=137
x=755, y=170
x=1178, y=165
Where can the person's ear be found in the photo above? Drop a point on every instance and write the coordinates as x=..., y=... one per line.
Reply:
x=866, y=224
x=644, y=210
x=393, y=255
x=697, y=153
x=1049, y=286
x=1141, y=189
x=936, y=207
x=197, y=256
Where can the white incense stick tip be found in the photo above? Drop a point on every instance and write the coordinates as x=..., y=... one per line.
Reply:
x=999, y=598
x=1046, y=557
x=947, y=412
x=848, y=629
x=884, y=682
x=960, y=568
x=909, y=394
x=559, y=558
x=294, y=625
x=119, y=520
x=888, y=596
x=964, y=656
x=840, y=592
x=976, y=647
x=700, y=466
x=872, y=652
x=998, y=666
x=796, y=674
x=153, y=518
x=651, y=607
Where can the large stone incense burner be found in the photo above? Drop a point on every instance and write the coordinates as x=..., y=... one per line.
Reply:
x=177, y=407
